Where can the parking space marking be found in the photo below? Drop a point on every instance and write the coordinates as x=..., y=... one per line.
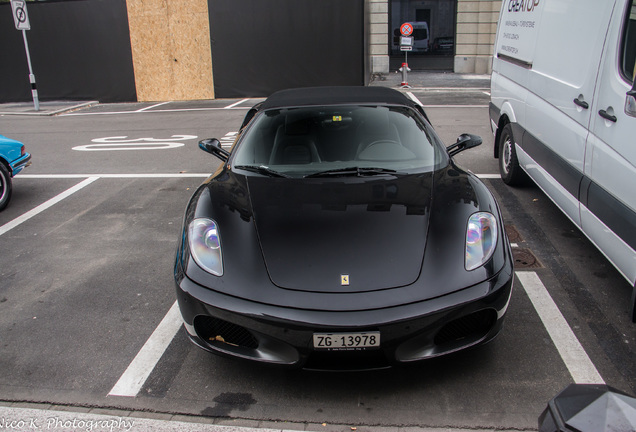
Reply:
x=175, y=110
x=114, y=176
x=155, y=175
x=118, y=143
x=574, y=356
x=152, y=106
x=145, y=361
x=236, y=104
x=39, y=209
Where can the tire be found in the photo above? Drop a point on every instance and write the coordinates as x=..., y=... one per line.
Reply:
x=5, y=186
x=509, y=169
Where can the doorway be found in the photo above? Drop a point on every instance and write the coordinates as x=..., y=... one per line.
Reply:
x=434, y=23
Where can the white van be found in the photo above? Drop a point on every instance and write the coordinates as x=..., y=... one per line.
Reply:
x=563, y=112
x=420, y=36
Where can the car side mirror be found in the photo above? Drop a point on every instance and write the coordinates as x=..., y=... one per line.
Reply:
x=464, y=142
x=213, y=146
x=630, y=101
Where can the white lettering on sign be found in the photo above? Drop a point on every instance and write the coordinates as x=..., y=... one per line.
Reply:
x=522, y=5
x=518, y=25
x=122, y=143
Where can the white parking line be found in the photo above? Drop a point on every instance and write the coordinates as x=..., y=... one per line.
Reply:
x=114, y=176
x=574, y=356
x=157, y=175
x=142, y=365
x=154, y=111
x=236, y=104
x=152, y=106
x=39, y=209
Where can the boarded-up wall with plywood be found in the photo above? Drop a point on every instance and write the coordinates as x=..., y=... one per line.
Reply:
x=171, y=49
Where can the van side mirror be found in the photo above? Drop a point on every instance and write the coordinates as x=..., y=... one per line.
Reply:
x=464, y=142
x=213, y=146
x=630, y=101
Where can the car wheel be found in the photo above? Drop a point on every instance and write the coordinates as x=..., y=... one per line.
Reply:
x=509, y=169
x=5, y=186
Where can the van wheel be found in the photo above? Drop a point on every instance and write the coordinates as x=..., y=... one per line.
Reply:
x=509, y=169
x=5, y=186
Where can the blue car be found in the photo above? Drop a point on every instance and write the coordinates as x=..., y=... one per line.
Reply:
x=13, y=159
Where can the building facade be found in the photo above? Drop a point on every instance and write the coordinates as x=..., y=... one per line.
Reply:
x=459, y=34
x=157, y=50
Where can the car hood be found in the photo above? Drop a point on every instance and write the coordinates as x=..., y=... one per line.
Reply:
x=10, y=149
x=342, y=235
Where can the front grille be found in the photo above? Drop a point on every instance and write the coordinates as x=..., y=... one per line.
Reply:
x=346, y=360
x=214, y=330
x=473, y=326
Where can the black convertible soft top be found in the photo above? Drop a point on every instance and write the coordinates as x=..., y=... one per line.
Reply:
x=312, y=96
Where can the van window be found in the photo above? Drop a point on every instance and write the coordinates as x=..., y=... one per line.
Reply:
x=628, y=48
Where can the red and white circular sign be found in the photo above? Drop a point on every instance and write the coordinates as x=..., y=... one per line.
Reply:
x=406, y=29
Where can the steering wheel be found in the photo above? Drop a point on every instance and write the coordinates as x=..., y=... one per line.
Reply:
x=375, y=143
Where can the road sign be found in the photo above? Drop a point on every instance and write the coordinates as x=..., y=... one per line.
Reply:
x=406, y=29
x=20, y=15
x=406, y=43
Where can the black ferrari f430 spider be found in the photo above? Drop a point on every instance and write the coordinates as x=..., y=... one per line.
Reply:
x=338, y=233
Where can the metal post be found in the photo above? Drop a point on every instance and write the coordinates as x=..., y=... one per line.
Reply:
x=34, y=88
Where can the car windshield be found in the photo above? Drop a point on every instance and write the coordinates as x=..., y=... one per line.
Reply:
x=338, y=140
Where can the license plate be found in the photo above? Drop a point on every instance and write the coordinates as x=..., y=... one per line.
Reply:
x=346, y=341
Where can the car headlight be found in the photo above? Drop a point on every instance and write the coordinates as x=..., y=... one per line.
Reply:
x=481, y=239
x=205, y=245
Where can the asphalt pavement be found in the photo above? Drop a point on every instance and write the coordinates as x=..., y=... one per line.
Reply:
x=47, y=108
x=32, y=416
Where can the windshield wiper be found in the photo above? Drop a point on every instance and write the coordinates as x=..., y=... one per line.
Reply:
x=354, y=172
x=261, y=169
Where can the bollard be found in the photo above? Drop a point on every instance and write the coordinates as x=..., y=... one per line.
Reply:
x=404, y=69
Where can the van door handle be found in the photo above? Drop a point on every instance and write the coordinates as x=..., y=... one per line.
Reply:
x=607, y=116
x=581, y=103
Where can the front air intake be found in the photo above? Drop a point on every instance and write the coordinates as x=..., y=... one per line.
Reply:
x=213, y=330
x=474, y=326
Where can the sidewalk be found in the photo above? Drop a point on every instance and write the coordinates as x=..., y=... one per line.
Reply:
x=35, y=417
x=46, y=108
x=432, y=80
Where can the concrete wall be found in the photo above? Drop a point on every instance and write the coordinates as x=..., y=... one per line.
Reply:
x=475, y=37
x=170, y=41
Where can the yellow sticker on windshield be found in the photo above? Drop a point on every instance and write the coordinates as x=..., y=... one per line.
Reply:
x=337, y=118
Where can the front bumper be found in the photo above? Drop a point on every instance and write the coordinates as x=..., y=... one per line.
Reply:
x=20, y=163
x=240, y=328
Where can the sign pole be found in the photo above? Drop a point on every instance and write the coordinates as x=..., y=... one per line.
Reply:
x=406, y=45
x=21, y=20
x=34, y=87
